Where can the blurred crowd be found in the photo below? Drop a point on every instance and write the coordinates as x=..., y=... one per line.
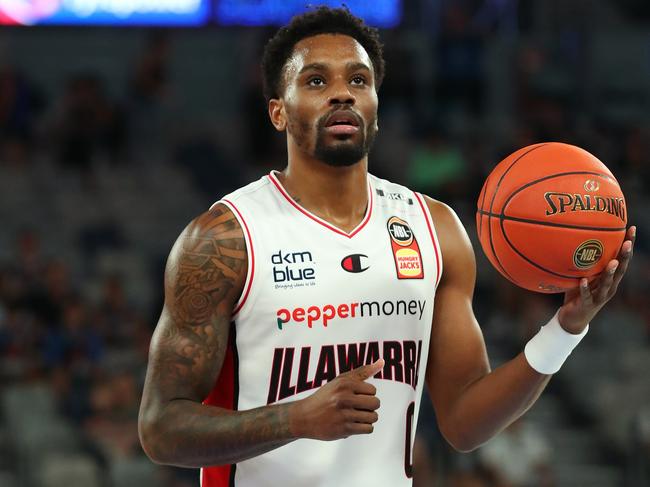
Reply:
x=94, y=186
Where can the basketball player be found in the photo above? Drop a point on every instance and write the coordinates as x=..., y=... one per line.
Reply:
x=316, y=303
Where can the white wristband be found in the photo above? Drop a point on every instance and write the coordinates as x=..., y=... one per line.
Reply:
x=551, y=346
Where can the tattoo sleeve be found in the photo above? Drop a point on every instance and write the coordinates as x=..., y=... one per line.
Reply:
x=205, y=275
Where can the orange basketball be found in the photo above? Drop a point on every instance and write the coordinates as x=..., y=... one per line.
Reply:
x=550, y=214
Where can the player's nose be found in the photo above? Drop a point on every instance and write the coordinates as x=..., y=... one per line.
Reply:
x=341, y=94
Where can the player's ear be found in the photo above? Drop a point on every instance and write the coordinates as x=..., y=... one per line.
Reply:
x=277, y=114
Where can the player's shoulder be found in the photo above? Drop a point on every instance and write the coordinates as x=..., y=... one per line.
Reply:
x=217, y=224
x=215, y=235
x=211, y=246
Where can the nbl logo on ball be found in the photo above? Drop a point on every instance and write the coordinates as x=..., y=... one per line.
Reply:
x=587, y=254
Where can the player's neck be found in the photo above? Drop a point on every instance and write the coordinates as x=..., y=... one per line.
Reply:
x=338, y=195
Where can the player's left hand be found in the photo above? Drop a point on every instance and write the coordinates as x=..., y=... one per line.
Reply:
x=582, y=304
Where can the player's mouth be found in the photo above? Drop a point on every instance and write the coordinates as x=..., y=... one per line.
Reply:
x=342, y=122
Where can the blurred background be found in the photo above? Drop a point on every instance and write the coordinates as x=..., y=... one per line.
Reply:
x=112, y=138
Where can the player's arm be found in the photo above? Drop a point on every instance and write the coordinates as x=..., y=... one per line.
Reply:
x=204, y=278
x=473, y=403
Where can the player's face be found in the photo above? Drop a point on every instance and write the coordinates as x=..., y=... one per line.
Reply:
x=330, y=100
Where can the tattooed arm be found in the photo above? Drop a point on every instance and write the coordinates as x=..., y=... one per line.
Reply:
x=204, y=278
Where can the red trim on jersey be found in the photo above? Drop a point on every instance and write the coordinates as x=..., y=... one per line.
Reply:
x=436, y=250
x=252, y=263
x=273, y=178
x=222, y=395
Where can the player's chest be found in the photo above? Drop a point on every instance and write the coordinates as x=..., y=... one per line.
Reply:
x=389, y=257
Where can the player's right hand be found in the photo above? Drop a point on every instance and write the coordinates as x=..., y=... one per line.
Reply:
x=344, y=406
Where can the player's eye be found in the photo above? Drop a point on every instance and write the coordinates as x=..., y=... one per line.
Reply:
x=316, y=81
x=358, y=80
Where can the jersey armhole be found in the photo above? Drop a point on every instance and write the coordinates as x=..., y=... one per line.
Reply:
x=250, y=272
x=433, y=234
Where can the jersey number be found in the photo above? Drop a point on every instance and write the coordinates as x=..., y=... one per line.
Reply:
x=408, y=466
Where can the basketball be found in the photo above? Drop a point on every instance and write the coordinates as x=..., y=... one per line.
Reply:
x=550, y=214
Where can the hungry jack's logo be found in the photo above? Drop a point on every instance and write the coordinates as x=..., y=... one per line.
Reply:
x=406, y=251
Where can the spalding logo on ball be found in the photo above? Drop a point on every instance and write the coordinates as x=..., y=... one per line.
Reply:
x=549, y=215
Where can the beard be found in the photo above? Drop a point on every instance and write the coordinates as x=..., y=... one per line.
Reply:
x=345, y=151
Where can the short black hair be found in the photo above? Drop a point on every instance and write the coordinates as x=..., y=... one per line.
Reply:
x=322, y=20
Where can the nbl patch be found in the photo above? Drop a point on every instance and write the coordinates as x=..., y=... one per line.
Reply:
x=406, y=251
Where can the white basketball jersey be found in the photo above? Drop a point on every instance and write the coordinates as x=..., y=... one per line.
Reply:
x=318, y=302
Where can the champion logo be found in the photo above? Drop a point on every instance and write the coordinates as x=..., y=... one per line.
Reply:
x=355, y=263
